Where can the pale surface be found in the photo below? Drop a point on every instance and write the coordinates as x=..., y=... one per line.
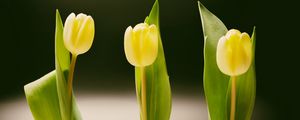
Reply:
x=110, y=107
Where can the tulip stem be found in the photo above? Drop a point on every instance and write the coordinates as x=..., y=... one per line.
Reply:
x=233, y=97
x=144, y=94
x=70, y=81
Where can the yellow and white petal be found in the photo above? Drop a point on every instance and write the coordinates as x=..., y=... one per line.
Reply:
x=223, y=56
x=78, y=33
x=68, y=32
x=141, y=44
x=129, y=47
x=150, y=46
x=85, y=35
x=234, y=53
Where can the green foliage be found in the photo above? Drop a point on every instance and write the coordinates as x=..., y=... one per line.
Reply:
x=47, y=96
x=216, y=84
x=158, y=86
x=42, y=98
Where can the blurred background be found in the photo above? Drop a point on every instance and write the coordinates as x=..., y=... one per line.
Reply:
x=27, y=47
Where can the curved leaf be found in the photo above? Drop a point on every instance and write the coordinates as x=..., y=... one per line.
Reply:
x=62, y=64
x=216, y=84
x=42, y=98
x=158, y=86
x=47, y=96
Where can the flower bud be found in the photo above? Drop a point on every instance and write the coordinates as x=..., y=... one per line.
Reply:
x=234, y=53
x=141, y=44
x=78, y=33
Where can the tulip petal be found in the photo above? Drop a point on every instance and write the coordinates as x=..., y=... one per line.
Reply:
x=80, y=18
x=85, y=35
x=233, y=34
x=68, y=32
x=222, y=53
x=150, y=45
x=137, y=42
x=128, y=46
x=144, y=44
x=234, y=53
x=79, y=33
x=147, y=49
x=140, y=27
x=246, y=52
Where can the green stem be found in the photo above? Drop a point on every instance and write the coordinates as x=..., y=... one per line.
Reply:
x=233, y=97
x=144, y=94
x=70, y=81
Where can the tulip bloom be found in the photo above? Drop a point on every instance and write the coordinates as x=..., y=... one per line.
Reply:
x=141, y=44
x=141, y=47
x=234, y=53
x=234, y=57
x=78, y=38
x=78, y=33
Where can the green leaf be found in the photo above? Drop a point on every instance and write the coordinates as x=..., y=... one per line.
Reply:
x=246, y=89
x=47, y=96
x=159, y=100
x=42, y=98
x=216, y=84
x=62, y=64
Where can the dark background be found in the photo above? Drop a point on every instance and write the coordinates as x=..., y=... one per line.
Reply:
x=27, y=45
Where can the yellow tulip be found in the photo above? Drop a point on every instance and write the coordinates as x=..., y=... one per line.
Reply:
x=78, y=33
x=234, y=53
x=78, y=38
x=141, y=44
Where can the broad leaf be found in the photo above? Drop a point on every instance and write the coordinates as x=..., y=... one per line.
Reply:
x=42, y=98
x=216, y=84
x=47, y=97
x=158, y=86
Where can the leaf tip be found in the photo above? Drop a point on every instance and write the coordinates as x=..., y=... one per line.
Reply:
x=57, y=12
x=57, y=16
x=253, y=32
x=200, y=6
